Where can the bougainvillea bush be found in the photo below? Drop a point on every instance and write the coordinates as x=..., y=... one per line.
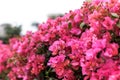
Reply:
x=82, y=45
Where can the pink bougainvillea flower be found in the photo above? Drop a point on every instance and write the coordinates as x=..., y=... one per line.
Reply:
x=111, y=50
x=108, y=23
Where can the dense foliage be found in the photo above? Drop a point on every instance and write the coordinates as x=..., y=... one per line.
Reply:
x=10, y=31
x=82, y=45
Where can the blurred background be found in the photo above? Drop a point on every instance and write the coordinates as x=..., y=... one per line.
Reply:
x=19, y=16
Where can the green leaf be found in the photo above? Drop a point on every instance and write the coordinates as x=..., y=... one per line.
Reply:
x=51, y=79
x=89, y=0
x=118, y=24
x=69, y=25
x=115, y=15
x=82, y=25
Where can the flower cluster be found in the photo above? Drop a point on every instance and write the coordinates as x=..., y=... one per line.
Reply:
x=82, y=45
x=5, y=53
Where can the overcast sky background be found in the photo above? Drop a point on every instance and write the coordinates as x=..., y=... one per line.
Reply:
x=25, y=12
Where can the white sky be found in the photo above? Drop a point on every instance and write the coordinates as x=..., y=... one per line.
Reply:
x=27, y=11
